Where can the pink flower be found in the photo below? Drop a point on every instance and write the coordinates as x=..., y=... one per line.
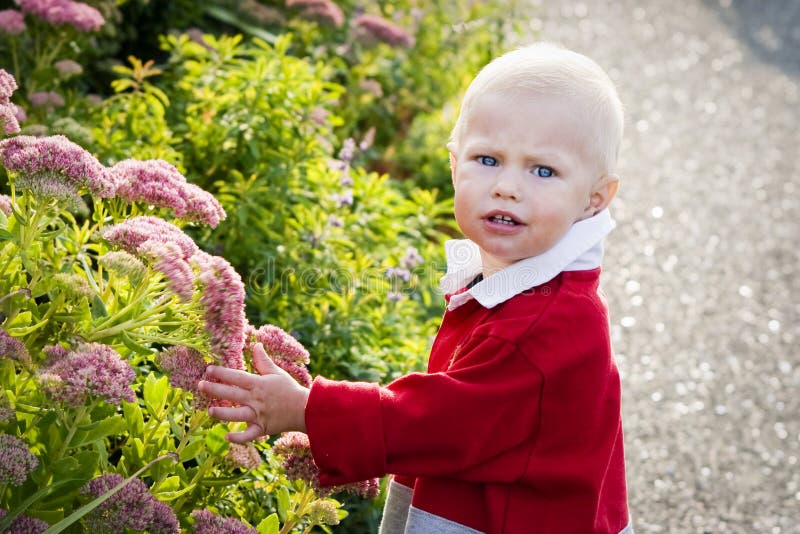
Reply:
x=47, y=99
x=380, y=29
x=298, y=463
x=159, y=183
x=12, y=22
x=23, y=524
x=54, y=166
x=184, y=366
x=324, y=11
x=80, y=16
x=7, y=86
x=412, y=258
x=131, y=233
x=91, y=369
x=8, y=119
x=243, y=456
x=67, y=68
x=207, y=522
x=16, y=460
x=132, y=507
x=287, y=353
x=19, y=112
x=222, y=299
x=167, y=258
x=13, y=348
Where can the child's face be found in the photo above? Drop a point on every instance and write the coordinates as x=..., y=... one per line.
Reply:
x=523, y=176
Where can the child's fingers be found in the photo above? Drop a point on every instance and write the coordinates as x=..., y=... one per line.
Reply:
x=231, y=376
x=262, y=362
x=224, y=391
x=228, y=413
x=253, y=431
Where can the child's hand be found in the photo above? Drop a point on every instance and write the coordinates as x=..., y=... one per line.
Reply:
x=270, y=403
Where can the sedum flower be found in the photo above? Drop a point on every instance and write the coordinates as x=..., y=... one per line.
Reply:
x=16, y=460
x=167, y=258
x=7, y=413
x=73, y=285
x=124, y=264
x=47, y=99
x=8, y=84
x=23, y=524
x=243, y=456
x=132, y=507
x=91, y=369
x=222, y=298
x=68, y=68
x=11, y=347
x=379, y=29
x=159, y=183
x=207, y=522
x=298, y=463
x=5, y=205
x=54, y=166
x=9, y=123
x=12, y=22
x=323, y=11
x=131, y=233
x=185, y=367
x=9, y=119
x=80, y=16
x=287, y=353
x=323, y=512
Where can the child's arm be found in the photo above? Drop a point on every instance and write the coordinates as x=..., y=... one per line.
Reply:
x=270, y=403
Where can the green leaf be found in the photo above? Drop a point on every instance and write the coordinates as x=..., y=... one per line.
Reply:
x=269, y=525
x=134, y=417
x=99, y=430
x=5, y=235
x=155, y=394
x=215, y=440
x=283, y=502
x=192, y=449
x=9, y=517
x=134, y=346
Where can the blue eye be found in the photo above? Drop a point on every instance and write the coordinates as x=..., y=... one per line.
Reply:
x=487, y=160
x=543, y=172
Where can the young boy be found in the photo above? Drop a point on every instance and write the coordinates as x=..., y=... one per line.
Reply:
x=516, y=427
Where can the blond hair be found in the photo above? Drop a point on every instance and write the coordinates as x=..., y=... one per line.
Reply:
x=550, y=69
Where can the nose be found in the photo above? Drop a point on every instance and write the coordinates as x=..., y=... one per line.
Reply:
x=506, y=186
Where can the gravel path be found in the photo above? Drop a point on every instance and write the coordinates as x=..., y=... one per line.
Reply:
x=702, y=273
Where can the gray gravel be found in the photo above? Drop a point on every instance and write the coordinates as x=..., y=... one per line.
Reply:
x=702, y=273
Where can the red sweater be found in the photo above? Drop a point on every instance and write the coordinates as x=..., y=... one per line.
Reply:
x=515, y=428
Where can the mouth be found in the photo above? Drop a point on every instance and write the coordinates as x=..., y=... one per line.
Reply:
x=502, y=218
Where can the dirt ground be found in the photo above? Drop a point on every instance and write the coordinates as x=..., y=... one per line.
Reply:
x=701, y=272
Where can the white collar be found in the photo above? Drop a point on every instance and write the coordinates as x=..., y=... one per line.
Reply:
x=580, y=249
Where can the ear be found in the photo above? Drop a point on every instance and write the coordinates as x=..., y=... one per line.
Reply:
x=451, y=146
x=602, y=194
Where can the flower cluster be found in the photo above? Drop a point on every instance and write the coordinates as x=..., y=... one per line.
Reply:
x=54, y=166
x=158, y=183
x=207, y=522
x=13, y=348
x=80, y=16
x=72, y=285
x=12, y=22
x=243, y=456
x=47, y=99
x=378, y=28
x=323, y=11
x=222, y=298
x=89, y=369
x=23, y=524
x=8, y=116
x=184, y=366
x=132, y=507
x=298, y=463
x=167, y=258
x=124, y=264
x=287, y=353
x=324, y=512
x=68, y=68
x=16, y=461
x=131, y=233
